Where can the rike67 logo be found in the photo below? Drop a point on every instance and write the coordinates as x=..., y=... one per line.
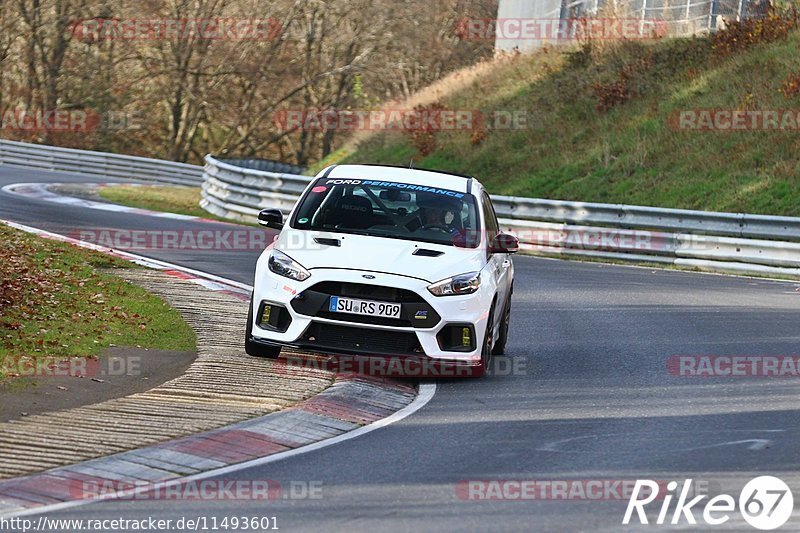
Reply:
x=766, y=503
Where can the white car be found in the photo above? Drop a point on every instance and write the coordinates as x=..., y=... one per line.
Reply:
x=386, y=262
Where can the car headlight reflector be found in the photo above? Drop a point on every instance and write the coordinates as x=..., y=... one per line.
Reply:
x=283, y=265
x=461, y=284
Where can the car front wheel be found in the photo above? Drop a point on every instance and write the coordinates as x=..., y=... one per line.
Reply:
x=486, y=350
x=500, y=346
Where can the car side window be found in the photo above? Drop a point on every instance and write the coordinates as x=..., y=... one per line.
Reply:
x=492, y=226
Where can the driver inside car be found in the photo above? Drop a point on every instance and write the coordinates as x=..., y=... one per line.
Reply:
x=436, y=213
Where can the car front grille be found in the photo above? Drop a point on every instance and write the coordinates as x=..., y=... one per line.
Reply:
x=350, y=339
x=415, y=311
x=368, y=292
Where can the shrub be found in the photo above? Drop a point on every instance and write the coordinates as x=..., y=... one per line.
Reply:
x=743, y=34
x=791, y=85
x=619, y=91
x=423, y=135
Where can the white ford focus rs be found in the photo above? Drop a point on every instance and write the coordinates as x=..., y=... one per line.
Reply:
x=386, y=262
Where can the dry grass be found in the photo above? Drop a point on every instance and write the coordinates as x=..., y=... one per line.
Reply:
x=165, y=198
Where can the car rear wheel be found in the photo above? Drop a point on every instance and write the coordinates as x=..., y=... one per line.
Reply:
x=253, y=348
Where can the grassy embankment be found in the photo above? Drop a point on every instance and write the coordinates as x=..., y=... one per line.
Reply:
x=601, y=125
x=58, y=300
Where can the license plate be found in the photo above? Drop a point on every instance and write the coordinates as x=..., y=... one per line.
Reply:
x=364, y=307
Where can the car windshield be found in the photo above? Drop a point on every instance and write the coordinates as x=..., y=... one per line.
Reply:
x=389, y=209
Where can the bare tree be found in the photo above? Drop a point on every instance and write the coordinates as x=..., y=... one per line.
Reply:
x=194, y=95
x=48, y=36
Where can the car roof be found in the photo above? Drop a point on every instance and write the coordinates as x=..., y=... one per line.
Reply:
x=414, y=176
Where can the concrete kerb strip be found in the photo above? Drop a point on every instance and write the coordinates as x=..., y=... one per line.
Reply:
x=211, y=453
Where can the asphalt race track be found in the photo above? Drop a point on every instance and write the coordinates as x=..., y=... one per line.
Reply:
x=589, y=397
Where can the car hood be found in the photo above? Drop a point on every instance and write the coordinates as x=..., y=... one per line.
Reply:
x=378, y=254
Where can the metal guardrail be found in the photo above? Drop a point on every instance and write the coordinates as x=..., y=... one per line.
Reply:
x=718, y=241
x=103, y=164
x=655, y=218
x=267, y=165
x=239, y=193
x=707, y=240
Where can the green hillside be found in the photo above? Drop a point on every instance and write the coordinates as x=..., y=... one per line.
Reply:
x=602, y=124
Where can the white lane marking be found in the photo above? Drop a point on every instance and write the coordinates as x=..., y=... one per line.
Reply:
x=555, y=446
x=40, y=191
x=657, y=268
x=756, y=444
x=176, y=216
x=426, y=393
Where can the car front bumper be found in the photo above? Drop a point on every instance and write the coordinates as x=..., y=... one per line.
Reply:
x=301, y=324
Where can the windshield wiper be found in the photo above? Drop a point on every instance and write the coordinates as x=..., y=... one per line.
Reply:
x=383, y=235
x=343, y=230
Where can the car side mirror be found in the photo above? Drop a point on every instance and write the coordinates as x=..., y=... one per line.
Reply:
x=504, y=243
x=271, y=218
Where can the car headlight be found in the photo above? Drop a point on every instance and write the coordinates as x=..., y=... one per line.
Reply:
x=461, y=284
x=285, y=266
